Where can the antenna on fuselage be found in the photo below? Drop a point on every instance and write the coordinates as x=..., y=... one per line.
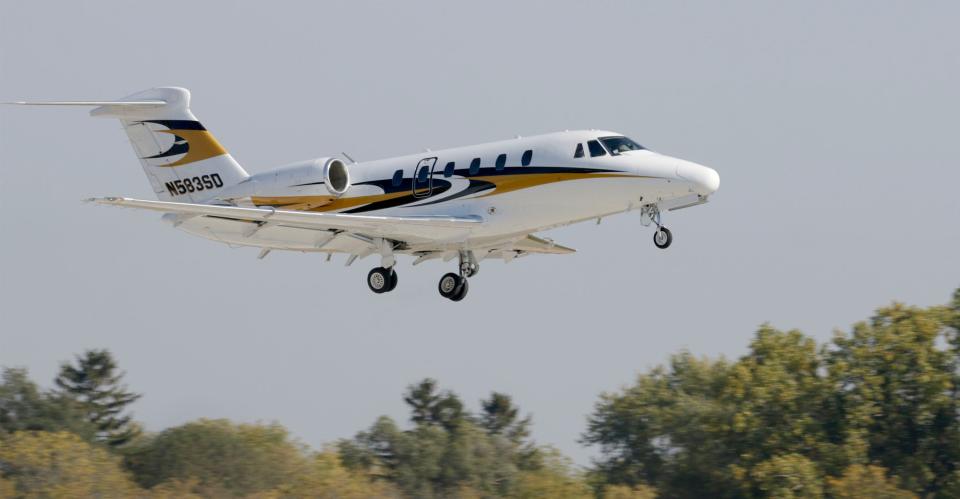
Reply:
x=345, y=155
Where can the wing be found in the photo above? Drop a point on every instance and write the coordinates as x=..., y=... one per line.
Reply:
x=408, y=229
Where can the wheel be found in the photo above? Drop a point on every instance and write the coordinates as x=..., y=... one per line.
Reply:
x=450, y=284
x=662, y=238
x=393, y=281
x=462, y=292
x=379, y=280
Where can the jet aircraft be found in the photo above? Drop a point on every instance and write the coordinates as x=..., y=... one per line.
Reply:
x=472, y=203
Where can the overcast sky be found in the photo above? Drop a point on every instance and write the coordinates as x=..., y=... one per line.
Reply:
x=834, y=126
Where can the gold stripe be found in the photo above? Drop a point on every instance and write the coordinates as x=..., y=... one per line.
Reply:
x=509, y=183
x=201, y=143
x=503, y=184
x=322, y=203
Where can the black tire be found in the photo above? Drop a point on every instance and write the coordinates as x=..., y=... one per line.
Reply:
x=450, y=285
x=378, y=280
x=393, y=281
x=462, y=292
x=662, y=242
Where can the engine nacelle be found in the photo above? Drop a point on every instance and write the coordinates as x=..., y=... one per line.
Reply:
x=302, y=178
x=336, y=176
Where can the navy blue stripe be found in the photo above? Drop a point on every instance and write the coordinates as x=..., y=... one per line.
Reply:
x=178, y=124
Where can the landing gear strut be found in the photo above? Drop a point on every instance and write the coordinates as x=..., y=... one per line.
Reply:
x=383, y=279
x=454, y=287
x=662, y=237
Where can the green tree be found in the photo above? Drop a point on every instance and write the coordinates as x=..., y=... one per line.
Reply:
x=224, y=458
x=500, y=416
x=447, y=452
x=422, y=399
x=898, y=390
x=430, y=407
x=779, y=402
x=24, y=407
x=95, y=384
x=789, y=414
x=666, y=430
x=60, y=465
x=790, y=476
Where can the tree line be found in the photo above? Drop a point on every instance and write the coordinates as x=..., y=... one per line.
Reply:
x=874, y=412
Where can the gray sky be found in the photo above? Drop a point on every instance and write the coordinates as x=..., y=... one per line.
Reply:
x=833, y=126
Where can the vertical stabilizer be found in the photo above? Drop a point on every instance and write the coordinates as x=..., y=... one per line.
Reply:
x=181, y=158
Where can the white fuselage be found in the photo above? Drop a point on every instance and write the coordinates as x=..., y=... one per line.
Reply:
x=547, y=187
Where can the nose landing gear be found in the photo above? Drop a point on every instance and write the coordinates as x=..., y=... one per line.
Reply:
x=454, y=287
x=662, y=237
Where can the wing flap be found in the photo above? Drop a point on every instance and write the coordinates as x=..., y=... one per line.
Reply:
x=534, y=244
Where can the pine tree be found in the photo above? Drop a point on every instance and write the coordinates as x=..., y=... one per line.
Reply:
x=422, y=399
x=500, y=417
x=95, y=384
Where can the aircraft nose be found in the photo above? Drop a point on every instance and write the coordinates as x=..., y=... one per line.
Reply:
x=706, y=180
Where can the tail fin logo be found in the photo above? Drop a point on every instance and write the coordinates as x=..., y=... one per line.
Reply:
x=191, y=143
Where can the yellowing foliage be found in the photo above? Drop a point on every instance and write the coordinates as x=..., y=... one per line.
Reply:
x=324, y=476
x=60, y=465
x=866, y=482
x=624, y=492
x=555, y=479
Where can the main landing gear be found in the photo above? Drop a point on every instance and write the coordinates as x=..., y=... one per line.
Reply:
x=454, y=287
x=662, y=237
x=382, y=280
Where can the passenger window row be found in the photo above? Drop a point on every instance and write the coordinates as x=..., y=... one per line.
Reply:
x=451, y=166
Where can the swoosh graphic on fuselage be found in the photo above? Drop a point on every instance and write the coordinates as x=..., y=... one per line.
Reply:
x=486, y=179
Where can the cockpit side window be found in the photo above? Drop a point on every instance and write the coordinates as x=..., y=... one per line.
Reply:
x=617, y=145
x=596, y=149
x=579, y=152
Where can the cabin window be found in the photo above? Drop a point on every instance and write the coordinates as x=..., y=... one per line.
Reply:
x=422, y=175
x=475, y=166
x=596, y=149
x=579, y=152
x=448, y=170
x=397, y=178
x=527, y=157
x=501, y=162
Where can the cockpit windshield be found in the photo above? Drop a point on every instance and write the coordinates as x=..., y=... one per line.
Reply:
x=617, y=145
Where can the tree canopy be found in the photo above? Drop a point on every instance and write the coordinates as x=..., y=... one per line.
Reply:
x=872, y=413
x=792, y=418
